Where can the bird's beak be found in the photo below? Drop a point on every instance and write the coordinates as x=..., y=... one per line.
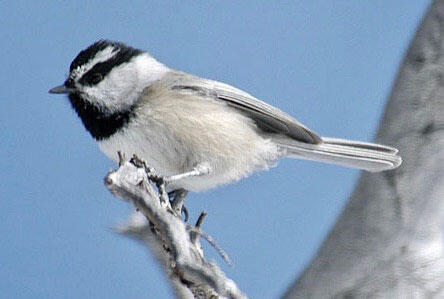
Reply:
x=61, y=89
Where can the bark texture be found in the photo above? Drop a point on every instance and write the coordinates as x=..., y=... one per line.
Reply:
x=175, y=244
x=388, y=241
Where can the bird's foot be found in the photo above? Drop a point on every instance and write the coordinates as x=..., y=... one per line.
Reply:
x=177, y=200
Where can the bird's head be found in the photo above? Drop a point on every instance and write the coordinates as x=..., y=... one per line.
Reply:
x=110, y=75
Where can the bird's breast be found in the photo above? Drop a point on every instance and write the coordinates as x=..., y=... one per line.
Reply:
x=174, y=134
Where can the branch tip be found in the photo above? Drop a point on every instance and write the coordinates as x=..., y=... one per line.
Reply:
x=167, y=235
x=201, y=218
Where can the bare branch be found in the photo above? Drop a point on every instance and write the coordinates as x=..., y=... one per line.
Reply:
x=169, y=237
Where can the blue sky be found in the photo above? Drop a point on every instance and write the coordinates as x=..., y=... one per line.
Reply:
x=330, y=64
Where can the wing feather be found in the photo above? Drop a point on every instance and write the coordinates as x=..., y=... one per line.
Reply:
x=268, y=118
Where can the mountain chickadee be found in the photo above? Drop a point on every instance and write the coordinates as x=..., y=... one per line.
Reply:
x=196, y=132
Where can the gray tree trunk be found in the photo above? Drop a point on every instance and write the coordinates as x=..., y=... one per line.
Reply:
x=388, y=241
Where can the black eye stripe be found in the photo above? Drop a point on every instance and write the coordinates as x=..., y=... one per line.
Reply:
x=123, y=54
x=69, y=83
x=100, y=70
x=84, y=56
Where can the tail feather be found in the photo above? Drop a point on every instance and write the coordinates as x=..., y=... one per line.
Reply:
x=353, y=154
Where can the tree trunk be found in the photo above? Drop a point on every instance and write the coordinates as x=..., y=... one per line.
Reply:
x=388, y=241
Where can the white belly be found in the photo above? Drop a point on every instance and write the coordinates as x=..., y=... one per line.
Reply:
x=173, y=136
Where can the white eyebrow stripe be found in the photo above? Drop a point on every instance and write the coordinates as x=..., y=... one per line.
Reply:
x=101, y=56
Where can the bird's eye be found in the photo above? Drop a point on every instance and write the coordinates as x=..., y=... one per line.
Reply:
x=69, y=82
x=96, y=78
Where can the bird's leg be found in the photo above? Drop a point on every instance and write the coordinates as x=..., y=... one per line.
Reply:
x=177, y=199
x=179, y=195
x=198, y=170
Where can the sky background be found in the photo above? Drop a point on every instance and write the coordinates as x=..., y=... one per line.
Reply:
x=330, y=64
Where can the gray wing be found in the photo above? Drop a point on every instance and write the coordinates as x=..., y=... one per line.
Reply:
x=268, y=118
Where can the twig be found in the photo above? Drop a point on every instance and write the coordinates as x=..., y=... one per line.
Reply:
x=198, y=232
x=183, y=259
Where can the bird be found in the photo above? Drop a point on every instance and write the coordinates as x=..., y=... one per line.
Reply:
x=197, y=133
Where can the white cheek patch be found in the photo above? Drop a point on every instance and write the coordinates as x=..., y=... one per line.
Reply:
x=117, y=91
x=122, y=86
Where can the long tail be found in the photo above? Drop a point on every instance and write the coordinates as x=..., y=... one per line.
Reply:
x=353, y=154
